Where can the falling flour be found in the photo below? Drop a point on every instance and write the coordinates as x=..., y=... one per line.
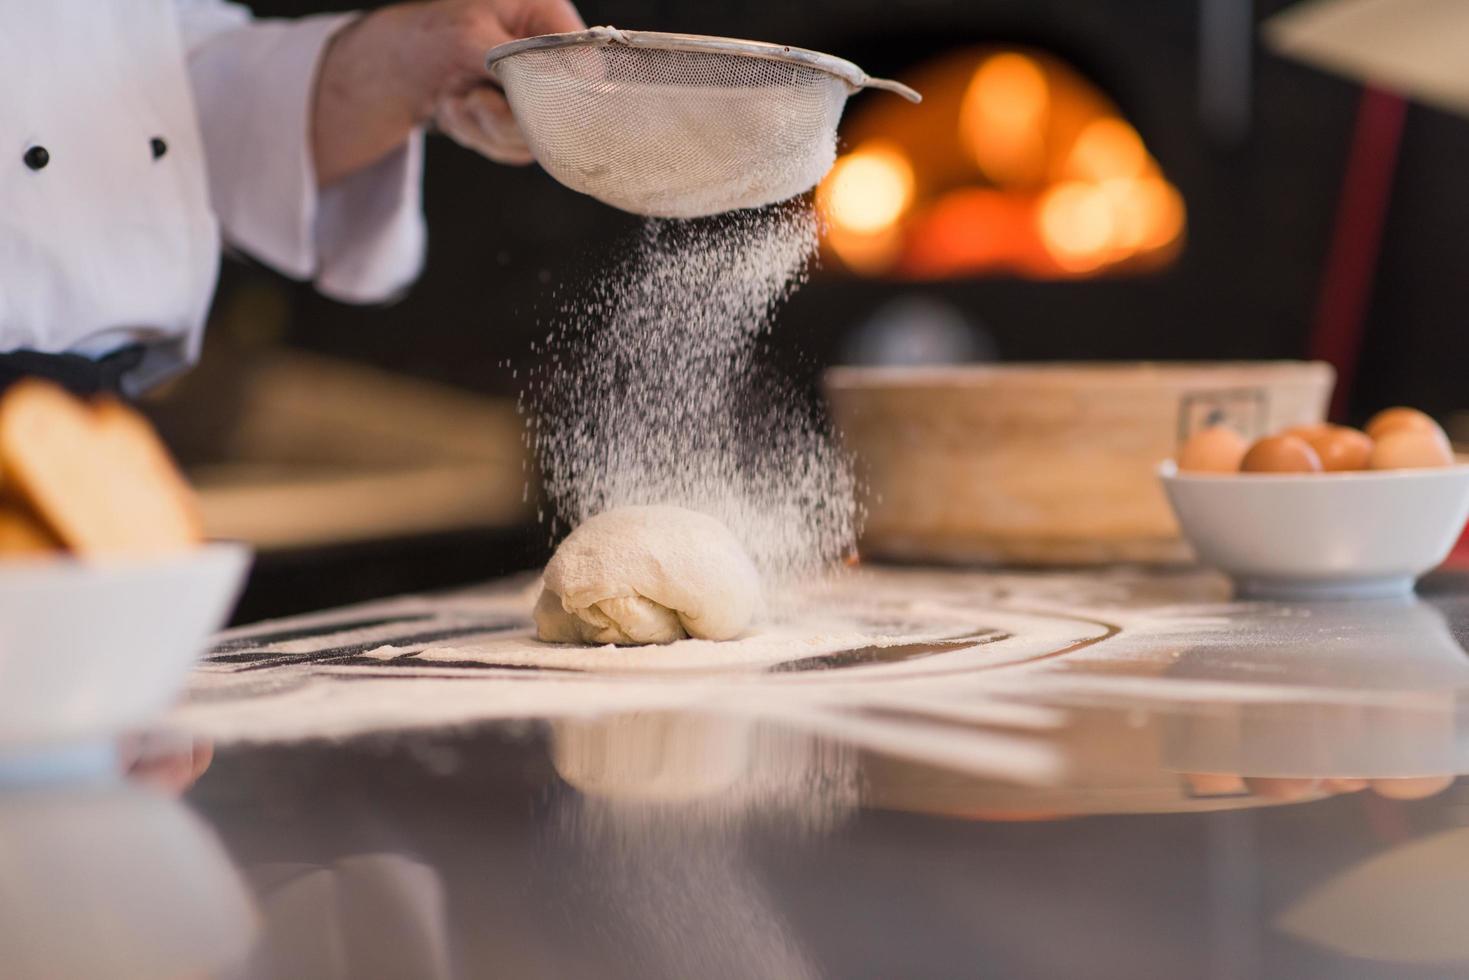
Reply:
x=651, y=390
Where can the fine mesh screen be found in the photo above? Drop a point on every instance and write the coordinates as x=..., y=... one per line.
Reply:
x=675, y=134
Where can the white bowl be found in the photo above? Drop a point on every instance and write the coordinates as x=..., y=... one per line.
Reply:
x=1321, y=536
x=91, y=649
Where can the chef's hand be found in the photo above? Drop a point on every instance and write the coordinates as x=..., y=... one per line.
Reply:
x=409, y=64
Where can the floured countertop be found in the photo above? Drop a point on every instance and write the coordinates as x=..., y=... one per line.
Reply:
x=880, y=656
x=910, y=773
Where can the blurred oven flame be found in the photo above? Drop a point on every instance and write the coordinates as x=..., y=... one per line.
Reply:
x=864, y=197
x=1078, y=224
x=1003, y=116
x=869, y=189
x=975, y=228
x=1041, y=177
x=1107, y=149
x=1148, y=212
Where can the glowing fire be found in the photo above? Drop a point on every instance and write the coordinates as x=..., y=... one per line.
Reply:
x=1002, y=119
x=1077, y=225
x=864, y=197
x=1043, y=178
x=1107, y=148
x=869, y=189
x=1149, y=212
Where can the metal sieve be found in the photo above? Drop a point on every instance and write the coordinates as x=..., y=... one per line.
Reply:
x=678, y=125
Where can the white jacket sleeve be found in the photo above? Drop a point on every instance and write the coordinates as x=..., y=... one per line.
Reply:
x=361, y=239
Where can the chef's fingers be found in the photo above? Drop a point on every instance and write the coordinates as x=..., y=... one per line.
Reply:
x=1417, y=788
x=551, y=17
x=484, y=24
x=480, y=119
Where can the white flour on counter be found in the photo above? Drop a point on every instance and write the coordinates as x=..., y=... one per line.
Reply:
x=436, y=662
x=970, y=671
x=652, y=389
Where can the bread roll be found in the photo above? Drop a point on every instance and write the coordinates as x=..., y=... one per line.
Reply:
x=97, y=475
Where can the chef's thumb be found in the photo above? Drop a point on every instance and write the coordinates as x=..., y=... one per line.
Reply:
x=481, y=120
x=552, y=17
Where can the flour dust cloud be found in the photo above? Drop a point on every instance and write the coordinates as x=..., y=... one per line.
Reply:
x=651, y=389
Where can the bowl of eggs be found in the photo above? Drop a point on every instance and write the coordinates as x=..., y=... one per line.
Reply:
x=1322, y=511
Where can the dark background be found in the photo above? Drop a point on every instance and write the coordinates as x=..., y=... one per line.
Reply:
x=1260, y=181
x=1261, y=203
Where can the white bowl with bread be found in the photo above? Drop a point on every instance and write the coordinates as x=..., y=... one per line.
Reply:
x=1321, y=511
x=108, y=593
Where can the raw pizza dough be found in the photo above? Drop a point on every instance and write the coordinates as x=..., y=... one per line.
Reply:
x=652, y=574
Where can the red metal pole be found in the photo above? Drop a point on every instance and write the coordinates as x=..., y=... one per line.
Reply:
x=1351, y=260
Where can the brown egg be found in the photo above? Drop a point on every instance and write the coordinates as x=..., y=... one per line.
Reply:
x=1307, y=432
x=1408, y=449
x=1217, y=449
x=1392, y=419
x=1281, y=454
x=1341, y=448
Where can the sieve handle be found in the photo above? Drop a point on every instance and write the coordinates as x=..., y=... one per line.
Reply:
x=897, y=88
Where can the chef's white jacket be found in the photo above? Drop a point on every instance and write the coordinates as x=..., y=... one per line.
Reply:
x=168, y=125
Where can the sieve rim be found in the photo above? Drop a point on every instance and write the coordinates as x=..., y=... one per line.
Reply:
x=840, y=68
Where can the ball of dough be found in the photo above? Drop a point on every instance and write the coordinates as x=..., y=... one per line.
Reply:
x=651, y=574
